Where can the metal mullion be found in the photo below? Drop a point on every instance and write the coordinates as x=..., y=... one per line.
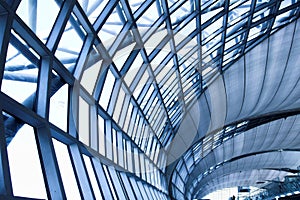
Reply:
x=24, y=113
x=242, y=16
x=185, y=22
x=175, y=58
x=176, y=115
x=212, y=36
x=43, y=88
x=143, y=93
x=12, y=4
x=154, y=120
x=125, y=107
x=158, y=48
x=136, y=80
x=154, y=28
x=238, y=5
x=5, y=183
x=170, y=101
x=114, y=97
x=233, y=47
x=225, y=20
x=165, y=78
x=133, y=116
x=139, y=41
x=101, y=178
x=133, y=54
x=211, y=20
x=81, y=172
x=153, y=113
x=197, y=92
x=255, y=41
x=250, y=17
x=158, y=120
x=145, y=141
x=149, y=103
x=59, y=25
x=213, y=59
x=175, y=7
x=135, y=126
x=100, y=21
x=187, y=56
x=211, y=50
x=142, y=9
x=6, y=20
x=120, y=148
x=207, y=6
x=186, y=73
x=163, y=63
x=171, y=96
x=120, y=39
x=49, y=163
x=24, y=49
x=190, y=89
x=138, y=133
x=82, y=58
x=275, y=11
x=28, y=36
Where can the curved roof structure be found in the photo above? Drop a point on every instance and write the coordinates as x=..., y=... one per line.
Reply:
x=148, y=99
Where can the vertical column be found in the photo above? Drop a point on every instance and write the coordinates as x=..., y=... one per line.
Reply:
x=47, y=155
x=5, y=181
x=53, y=181
x=81, y=172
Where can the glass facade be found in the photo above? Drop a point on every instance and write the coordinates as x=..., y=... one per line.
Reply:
x=97, y=95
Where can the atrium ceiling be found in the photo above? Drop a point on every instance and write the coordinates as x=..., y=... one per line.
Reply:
x=175, y=99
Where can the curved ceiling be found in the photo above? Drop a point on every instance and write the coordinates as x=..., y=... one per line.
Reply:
x=262, y=83
x=163, y=80
x=252, y=177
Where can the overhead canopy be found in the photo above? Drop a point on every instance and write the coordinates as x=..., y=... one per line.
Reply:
x=260, y=87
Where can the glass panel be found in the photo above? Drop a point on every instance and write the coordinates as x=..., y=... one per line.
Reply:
x=185, y=31
x=128, y=117
x=90, y=76
x=182, y=12
x=155, y=39
x=107, y=90
x=66, y=170
x=135, y=188
x=127, y=186
x=116, y=181
x=119, y=104
x=20, y=74
x=101, y=135
x=84, y=130
x=122, y=55
x=142, y=189
x=134, y=69
x=114, y=145
x=58, y=112
x=26, y=173
x=110, y=182
x=108, y=140
x=93, y=8
x=92, y=177
x=70, y=43
x=111, y=28
x=147, y=19
x=35, y=18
